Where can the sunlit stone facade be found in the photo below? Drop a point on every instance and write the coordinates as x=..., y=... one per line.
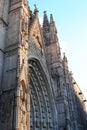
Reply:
x=37, y=90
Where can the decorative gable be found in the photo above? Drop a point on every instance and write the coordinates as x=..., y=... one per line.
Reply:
x=35, y=32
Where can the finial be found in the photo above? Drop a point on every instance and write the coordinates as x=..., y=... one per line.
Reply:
x=35, y=6
x=51, y=18
x=44, y=12
x=63, y=54
x=64, y=57
x=36, y=9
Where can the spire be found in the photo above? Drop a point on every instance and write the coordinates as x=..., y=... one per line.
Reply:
x=53, y=30
x=52, y=23
x=51, y=18
x=45, y=20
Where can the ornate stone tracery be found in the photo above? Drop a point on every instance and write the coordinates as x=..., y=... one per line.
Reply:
x=41, y=106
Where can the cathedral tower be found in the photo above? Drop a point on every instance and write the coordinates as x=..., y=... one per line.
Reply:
x=55, y=66
x=14, y=98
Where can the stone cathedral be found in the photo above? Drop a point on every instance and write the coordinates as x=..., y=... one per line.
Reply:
x=37, y=90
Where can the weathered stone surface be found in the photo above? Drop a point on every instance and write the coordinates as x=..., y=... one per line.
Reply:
x=37, y=91
x=4, y=9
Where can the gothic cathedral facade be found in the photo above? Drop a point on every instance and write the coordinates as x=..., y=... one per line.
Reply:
x=37, y=90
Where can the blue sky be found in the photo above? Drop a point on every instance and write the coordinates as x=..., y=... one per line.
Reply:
x=71, y=21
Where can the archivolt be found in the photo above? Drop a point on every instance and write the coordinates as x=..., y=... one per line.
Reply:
x=41, y=113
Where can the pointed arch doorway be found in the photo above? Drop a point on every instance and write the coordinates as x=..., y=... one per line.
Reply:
x=41, y=106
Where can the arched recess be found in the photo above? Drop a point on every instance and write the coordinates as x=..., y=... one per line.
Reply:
x=41, y=102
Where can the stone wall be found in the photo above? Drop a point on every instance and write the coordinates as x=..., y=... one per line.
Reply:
x=4, y=9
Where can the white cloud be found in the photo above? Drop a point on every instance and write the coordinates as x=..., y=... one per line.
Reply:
x=41, y=20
